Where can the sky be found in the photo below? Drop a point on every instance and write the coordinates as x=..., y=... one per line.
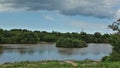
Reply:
x=59, y=15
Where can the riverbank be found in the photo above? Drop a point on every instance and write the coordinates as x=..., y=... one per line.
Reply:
x=62, y=64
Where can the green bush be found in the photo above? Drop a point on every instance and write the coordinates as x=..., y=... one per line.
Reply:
x=114, y=57
x=105, y=58
x=114, y=40
x=70, y=43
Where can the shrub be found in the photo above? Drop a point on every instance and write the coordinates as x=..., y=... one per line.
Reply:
x=70, y=43
x=115, y=42
x=114, y=57
x=105, y=58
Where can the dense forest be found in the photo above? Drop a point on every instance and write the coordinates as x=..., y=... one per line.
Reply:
x=23, y=36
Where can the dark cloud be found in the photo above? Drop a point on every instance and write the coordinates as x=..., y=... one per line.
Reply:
x=95, y=8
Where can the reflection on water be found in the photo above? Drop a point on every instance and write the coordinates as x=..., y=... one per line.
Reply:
x=37, y=52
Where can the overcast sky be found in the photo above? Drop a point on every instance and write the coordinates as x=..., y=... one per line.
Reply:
x=59, y=15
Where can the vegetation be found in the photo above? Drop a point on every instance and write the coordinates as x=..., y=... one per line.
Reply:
x=71, y=40
x=62, y=64
x=70, y=43
x=23, y=36
x=115, y=26
x=114, y=40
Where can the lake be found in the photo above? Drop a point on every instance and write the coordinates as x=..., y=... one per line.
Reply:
x=48, y=51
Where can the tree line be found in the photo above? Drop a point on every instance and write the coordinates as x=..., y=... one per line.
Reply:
x=23, y=36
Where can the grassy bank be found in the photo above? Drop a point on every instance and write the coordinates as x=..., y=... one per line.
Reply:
x=62, y=64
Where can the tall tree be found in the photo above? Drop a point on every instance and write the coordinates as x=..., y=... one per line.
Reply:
x=115, y=26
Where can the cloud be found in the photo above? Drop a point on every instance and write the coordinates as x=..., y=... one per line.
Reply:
x=118, y=14
x=4, y=8
x=8, y=8
x=80, y=24
x=89, y=27
x=95, y=8
x=50, y=18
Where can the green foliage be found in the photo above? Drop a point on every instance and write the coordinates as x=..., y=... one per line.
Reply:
x=115, y=26
x=23, y=36
x=70, y=43
x=105, y=58
x=114, y=57
x=114, y=40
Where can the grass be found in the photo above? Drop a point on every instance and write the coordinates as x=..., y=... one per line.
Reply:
x=62, y=64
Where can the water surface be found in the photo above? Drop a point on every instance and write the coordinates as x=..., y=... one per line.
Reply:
x=38, y=52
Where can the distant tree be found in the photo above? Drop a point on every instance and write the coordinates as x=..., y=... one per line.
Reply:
x=18, y=36
x=97, y=37
x=105, y=38
x=97, y=34
x=84, y=36
x=115, y=26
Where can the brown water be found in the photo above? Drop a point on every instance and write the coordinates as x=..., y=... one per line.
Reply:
x=38, y=52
